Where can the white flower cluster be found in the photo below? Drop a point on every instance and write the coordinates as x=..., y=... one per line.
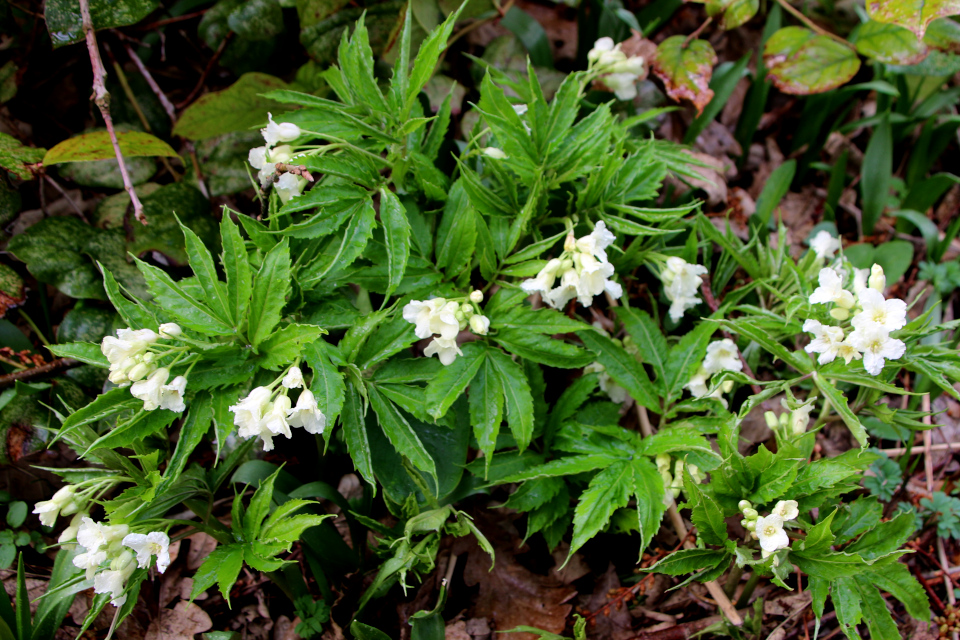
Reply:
x=443, y=320
x=583, y=270
x=722, y=355
x=874, y=318
x=265, y=413
x=102, y=543
x=825, y=245
x=769, y=529
x=682, y=281
x=620, y=72
x=673, y=482
x=266, y=158
x=615, y=392
x=133, y=360
x=63, y=503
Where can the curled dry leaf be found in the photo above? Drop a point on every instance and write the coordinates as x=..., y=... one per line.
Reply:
x=889, y=43
x=801, y=62
x=686, y=70
x=915, y=15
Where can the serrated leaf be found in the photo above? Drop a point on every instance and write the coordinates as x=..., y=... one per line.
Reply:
x=221, y=567
x=270, y=288
x=355, y=433
x=801, y=62
x=400, y=434
x=451, y=382
x=517, y=397
x=608, y=491
x=327, y=385
x=687, y=561
x=97, y=145
x=237, y=269
x=486, y=408
x=623, y=368
x=686, y=70
x=175, y=300
x=82, y=351
x=396, y=231
x=286, y=344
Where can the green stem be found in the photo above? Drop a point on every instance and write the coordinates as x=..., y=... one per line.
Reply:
x=34, y=326
x=733, y=579
x=752, y=583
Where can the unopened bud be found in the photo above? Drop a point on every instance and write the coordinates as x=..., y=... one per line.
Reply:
x=751, y=514
x=878, y=280
x=566, y=264
x=772, y=422
x=459, y=315
x=138, y=372
x=839, y=313
x=149, y=357
x=476, y=296
x=479, y=324
x=170, y=330
x=570, y=243
x=744, y=504
x=751, y=525
x=493, y=152
x=467, y=311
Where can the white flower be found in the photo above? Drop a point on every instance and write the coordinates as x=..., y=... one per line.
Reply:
x=878, y=280
x=170, y=330
x=446, y=350
x=888, y=314
x=290, y=186
x=476, y=296
x=876, y=345
x=831, y=290
x=860, y=279
x=825, y=245
x=257, y=157
x=266, y=173
x=91, y=535
x=722, y=355
x=520, y=109
x=70, y=533
x=623, y=85
x=697, y=386
x=89, y=561
x=493, y=152
x=155, y=543
x=798, y=420
x=171, y=395
x=283, y=132
x=827, y=341
x=62, y=500
x=615, y=392
x=600, y=47
x=433, y=316
x=558, y=297
x=543, y=283
x=275, y=419
x=479, y=324
x=293, y=379
x=113, y=580
x=770, y=533
x=786, y=509
x=248, y=412
x=596, y=243
x=128, y=343
x=149, y=390
x=681, y=282
x=595, y=279
x=306, y=414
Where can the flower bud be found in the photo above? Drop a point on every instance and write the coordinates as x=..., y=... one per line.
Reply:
x=459, y=315
x=750, y=526
x=839, y=313
x=468, y=311
x=493, y=152
x=773, y=422
x=744, y=504
x=566, y=264
x=479, y=324
x=727, y=386
x=878, y=280
x=751, y=514
x=570, y=243
x=476, y=296
x=170, y=330
x=138, y=371
x=148, y=357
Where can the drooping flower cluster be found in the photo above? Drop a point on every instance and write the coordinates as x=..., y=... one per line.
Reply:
x=583, y=270
x=266, y=158
x=266, y=413
x=874, y=318
x=673, y=478
x=722, y=355
x=103, y=543
x=63, y=503
x=769, y=529
x=133, y=356
x=620, y=73
x=681, y=282
x=443, y=319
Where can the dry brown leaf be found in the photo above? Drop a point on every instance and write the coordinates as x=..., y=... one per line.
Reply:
x=573, y=570
x=787, y=604
x=285, y=629
x=201, y=545
x=180, y=623
x=617, y=623
x=456, y=631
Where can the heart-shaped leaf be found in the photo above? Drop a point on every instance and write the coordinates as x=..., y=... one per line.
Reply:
x=97, y=145
x=238, y=107
x=888, y=43
x=915, y=15
x=800, y=62
x=686, y=69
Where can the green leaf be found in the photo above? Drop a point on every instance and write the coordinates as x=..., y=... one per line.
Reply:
x=846, y=602
x=22, y=602
x=517, y=396
x=829, y=566
x=400, y=434
x=97, y=145
x=221, y=567
x=396, y=230
x=820, y=537
x=237, y=108
x=608, y=491
x=52, y=250
x=426, y=61
x=457, y=232
x=531, y=34
x=355, y=433
x=202, y=264
x=16, y=513
x=237, y=269
x=15, y=157
x=733, y=13
x=888, y=43
x=65, y=26
x=623, y=368
x=706, y=514
x=257, y=20
x=685, y=358
x=839, y=403
x=286, y=344
x=915, y=15
x=142, y=424
x=686, y=69
x=195, y=427
x=896, y=580
x=876, y=173
x=651, y=345
x=776, y=187
x=82, y=351
x=562, y=467
x=687, y=561
x=801, y=62
x=105, y=405
x=885, y=537
x=270, y=288
x=450, y=383
x=648, y=491
x=526, y=318
x=879, y=621
x=175, y=300
x=486, y=407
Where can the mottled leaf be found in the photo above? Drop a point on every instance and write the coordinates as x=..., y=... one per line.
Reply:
x=915, y=15
x=800, y=62
x=686, y=70
x=97, y=145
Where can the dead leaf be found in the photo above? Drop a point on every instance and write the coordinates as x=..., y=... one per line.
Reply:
x=787, y=604
x=285, y=629
x=479, y=629
x=686, y=69
x=713, y=183
x=456, y=631
x=180, y=623
x=201, y=546
x=334, y=632
x=616, y=624
x=573, y=570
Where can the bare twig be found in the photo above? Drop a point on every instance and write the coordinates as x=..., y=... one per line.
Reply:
x=947, y=446
x=206, y=71
x=38, y=372
x=696, y=33
x=157, y=91
x=102, y=98
x=796, y=13
x=73, y=205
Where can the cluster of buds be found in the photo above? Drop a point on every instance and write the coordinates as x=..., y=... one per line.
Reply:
x=769, y=529
x=114, y=546
x=949, y=622
x=134, y=360
x=620, y=72
x=266, y=158
x=583, y=270
x=874, y=317
x=64, y=502
x=673, y=478
x=793, y=421
x=267, y=412
x=443, y=319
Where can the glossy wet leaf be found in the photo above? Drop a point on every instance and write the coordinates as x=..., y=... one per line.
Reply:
x=686, y=71
x=237, y=108
x=52, y=250
x=915, y=15
x=888, y=43
x=65, y=26
x=96, y=145
x=800, y=62
x=14, y=156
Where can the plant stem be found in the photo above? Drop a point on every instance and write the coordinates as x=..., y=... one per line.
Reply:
x=33, y=326
x=796, y=13
x=733, y=579
x=752, y=583
x=696, y=33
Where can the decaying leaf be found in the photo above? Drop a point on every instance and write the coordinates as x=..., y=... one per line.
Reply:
x=801, y=62
x=732, y=13
x=686, y=70
x=915, y=15
x=889, y=43
x=179, y=623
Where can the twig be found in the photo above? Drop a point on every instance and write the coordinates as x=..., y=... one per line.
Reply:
x=796, y=13
x=645, y=427
x=160, y=23
x=73, y=205
x=947, y=582
x=712, y=586
x=157, y=91
x=206, y=71
x=927, y=443
x=899, y=451
x=696, y=33
x=102, y=98
x=38, y=372
x=683, y=631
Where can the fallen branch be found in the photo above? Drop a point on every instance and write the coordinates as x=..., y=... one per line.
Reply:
x=26, y=375
x=102, y=98
x=685, y=630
